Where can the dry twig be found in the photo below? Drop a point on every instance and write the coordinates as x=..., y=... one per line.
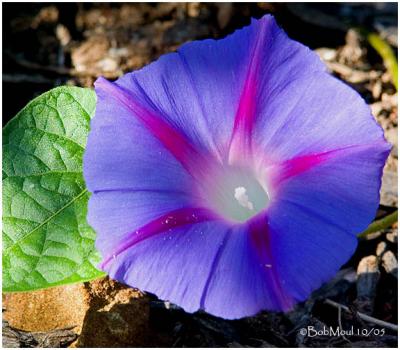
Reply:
x=364, y=317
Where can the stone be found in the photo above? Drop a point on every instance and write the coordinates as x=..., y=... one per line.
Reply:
x=392, y=236
x=389, y=263
x=103, y=312
x=368, y=276
x=389, y=188
x=119, y=316
x=47, y=309
x=381, y=248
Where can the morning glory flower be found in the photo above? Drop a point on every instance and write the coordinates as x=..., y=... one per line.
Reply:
x=233, y=175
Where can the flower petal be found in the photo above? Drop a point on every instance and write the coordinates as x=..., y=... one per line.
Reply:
x=316, y=216
x=311, y=115
x=220, y=84
x=164, y=223
x=244, y=279
x=175, y=142
x=174, y=265
x=279, y=173
x=122, y=154
x=134, y=178
x=308, y=251
x=115, y=214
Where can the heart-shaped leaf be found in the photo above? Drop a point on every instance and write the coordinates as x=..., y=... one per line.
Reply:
x=46, y=239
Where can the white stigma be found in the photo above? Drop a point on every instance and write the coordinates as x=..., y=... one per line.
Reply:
x=243, y=198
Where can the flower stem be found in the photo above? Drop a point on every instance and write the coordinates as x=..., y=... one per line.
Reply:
x=387, y=54
x=381, y=224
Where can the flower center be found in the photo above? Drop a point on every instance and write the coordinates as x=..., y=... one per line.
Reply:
x=243, y=198
x=236, y=194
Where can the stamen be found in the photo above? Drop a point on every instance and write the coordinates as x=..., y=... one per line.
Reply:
x=234, y=193
x=243, y=198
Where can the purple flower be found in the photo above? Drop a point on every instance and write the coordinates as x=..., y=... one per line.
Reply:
x=232, y=176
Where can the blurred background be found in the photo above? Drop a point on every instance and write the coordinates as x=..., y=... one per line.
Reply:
x=47, y=45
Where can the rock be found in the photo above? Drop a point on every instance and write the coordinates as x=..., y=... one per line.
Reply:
x=326, y=54
x=107, y=64
x=389, y=263
x=48, y=14
x=46, y=309
x=352, y=53
x=367, y=267
x=367, y=281
x=225, y=12
x=392, y=236
x=91, y=51
x=15, y=338
x=391, y=136
x=381, y=248
x=118, y=316
x=63, y=35
x=193, y=9
x=389, y=188
x=103, y=312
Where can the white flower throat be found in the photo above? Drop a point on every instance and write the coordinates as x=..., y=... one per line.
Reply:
x=236, y=194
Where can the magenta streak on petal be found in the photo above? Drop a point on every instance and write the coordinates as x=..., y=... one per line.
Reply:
x=260, y=238
x=298, y=165
x=139, y=189
x=171, y=220
x=240, y=143
x=176, y=143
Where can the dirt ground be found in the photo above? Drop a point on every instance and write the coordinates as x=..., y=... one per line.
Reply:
x=47, y=45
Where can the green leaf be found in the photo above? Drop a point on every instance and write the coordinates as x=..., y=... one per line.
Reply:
x=46, y=239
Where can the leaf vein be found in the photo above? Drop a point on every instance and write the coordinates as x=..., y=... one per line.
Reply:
x=72, y=201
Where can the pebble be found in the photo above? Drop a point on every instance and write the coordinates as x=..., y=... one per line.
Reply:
x=392, y=236
x=380, y=249
x=389, y=263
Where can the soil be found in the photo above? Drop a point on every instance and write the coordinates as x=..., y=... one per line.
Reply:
x=46, y=45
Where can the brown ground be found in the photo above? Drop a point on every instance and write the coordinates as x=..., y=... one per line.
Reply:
x=47, y=45
x=103, y=312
